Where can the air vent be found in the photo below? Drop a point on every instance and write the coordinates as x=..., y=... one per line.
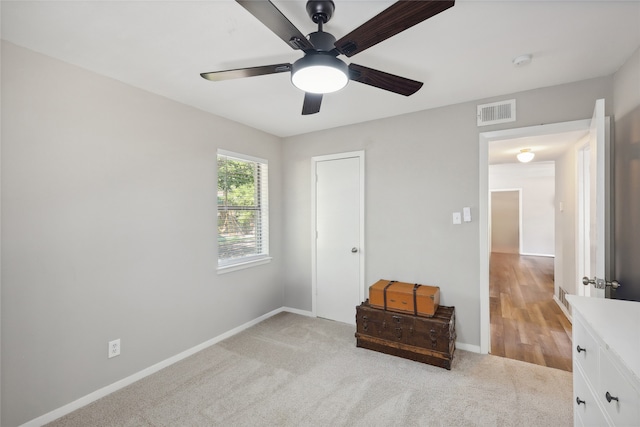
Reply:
x=497, y=112
x=562, y=293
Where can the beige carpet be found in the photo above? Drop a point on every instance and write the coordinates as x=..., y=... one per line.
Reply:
x=291, y=370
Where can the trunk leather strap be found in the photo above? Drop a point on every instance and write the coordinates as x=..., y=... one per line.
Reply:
x=384, y=292
x=415, y=299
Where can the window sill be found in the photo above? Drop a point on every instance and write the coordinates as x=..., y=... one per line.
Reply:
x=242, y=265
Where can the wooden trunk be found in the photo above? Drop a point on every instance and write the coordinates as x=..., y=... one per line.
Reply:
x=428, y=340
x=419, y=300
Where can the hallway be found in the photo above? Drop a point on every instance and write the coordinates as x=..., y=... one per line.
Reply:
x=526, y=323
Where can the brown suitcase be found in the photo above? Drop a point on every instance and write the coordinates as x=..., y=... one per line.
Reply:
x=427, y=340
x=419, y=300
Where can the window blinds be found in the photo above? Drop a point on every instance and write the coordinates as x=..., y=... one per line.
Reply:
x=243, y=208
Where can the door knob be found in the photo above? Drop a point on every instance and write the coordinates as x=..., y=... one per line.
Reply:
x=614, y=284
x=354, y=250
x=600, y=283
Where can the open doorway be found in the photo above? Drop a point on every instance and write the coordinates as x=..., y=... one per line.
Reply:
x=524, y=317
x=526, y=322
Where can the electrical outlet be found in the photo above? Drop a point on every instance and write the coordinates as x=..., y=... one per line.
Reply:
x=457, y=218
x=114, y=348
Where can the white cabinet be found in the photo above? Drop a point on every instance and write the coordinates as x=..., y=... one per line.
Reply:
x=585, y=409
x=606, y=362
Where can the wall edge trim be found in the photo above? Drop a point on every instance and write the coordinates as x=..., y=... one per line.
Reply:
x=468, y=347
x=563, y=308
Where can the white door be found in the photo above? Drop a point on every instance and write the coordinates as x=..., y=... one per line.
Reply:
x=339, y=240
x=599, y=205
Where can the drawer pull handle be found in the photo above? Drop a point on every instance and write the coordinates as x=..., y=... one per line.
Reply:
x=578, y=401
x=581, y=349
x=610, y=398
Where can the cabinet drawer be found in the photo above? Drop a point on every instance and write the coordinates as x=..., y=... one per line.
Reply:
x=585, y=350
x=624, y=411
x=587, y=412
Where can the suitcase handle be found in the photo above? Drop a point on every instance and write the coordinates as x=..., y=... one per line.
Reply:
x=384, y=292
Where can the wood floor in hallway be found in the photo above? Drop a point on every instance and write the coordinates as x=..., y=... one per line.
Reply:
x=526, y=323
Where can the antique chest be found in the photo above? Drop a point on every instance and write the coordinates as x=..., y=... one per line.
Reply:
x=409, y=298
x=423, y=339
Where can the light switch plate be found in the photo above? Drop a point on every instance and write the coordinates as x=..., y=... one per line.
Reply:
x=466, y=214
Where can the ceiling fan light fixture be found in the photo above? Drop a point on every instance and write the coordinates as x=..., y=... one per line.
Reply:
x=319, y=73
x=525, y=155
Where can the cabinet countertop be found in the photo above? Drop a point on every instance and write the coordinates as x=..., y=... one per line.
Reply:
x=617, y=324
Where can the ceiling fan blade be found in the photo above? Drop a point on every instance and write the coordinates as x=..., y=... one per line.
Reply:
x=246, y=72
x=312, y=103
x=272, y=18
x=391, y=21
x=382, y=80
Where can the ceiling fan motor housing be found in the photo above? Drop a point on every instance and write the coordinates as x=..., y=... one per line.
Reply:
x=321, y=41
x=320, y=10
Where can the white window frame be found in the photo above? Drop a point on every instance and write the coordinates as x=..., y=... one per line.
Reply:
x=234, y=264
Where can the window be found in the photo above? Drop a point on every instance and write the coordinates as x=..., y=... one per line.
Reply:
x=243, y=210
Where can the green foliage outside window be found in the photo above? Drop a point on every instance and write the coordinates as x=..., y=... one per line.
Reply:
x=239, y=208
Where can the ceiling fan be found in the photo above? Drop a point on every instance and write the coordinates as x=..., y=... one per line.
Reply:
x=319, y=71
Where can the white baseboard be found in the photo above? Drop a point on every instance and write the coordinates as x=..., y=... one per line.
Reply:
x=298, y=311
x=468, y=347
x=563, y=308
x=532, y=254
x=104, y=391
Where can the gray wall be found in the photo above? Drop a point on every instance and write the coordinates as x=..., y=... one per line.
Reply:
x=108, y=231
x=420, y=168
x=627, y=178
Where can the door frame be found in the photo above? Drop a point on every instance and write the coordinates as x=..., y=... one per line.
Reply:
x=484, y=139
x=361, y=252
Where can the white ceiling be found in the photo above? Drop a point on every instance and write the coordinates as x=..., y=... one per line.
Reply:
x=545, y=147
x=462, y=54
